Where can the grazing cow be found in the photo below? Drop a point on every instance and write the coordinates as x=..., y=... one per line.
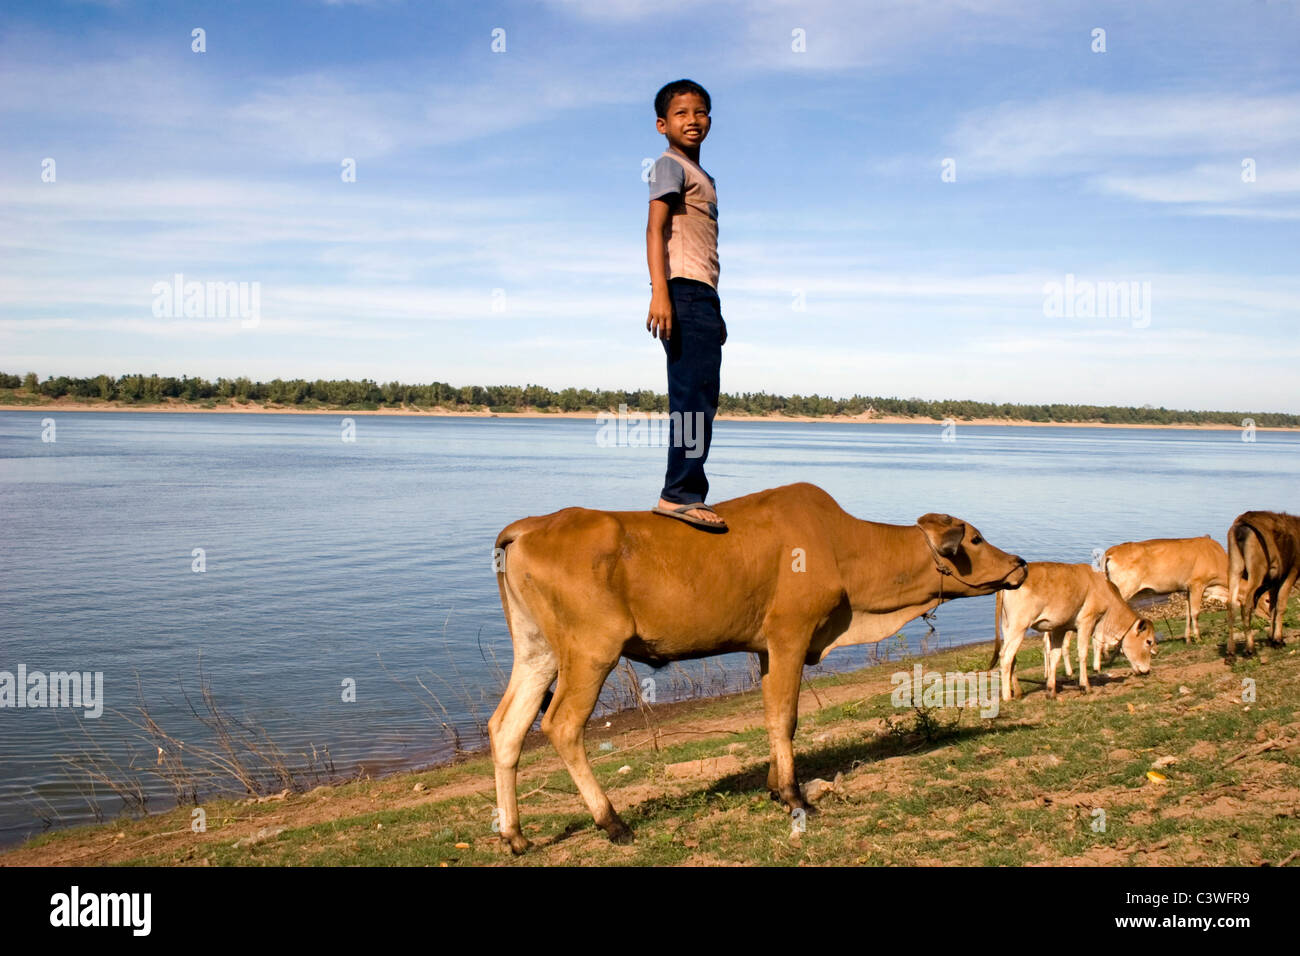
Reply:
x=1263, y=563
x=792, y=578
x=1057, y=599
x=1169, y=566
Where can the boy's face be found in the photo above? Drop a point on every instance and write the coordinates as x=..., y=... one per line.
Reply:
x=687, y=122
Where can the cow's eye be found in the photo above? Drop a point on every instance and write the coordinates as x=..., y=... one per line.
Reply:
x=977, y=540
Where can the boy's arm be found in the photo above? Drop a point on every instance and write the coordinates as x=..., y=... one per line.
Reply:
x=660, y=318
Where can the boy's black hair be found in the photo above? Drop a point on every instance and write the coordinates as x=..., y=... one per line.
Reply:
x=665, y=96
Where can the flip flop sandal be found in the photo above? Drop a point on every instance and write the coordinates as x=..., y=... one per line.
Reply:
x=680, y=514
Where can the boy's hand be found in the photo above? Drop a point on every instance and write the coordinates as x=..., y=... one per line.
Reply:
x=724, y=332
x=660, y=319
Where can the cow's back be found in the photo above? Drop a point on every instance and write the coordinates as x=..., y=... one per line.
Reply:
x=1211, y=562
x=1278, y=533
x=1125, y=566
x=1052, y=591
x=655, y=578
x=1165, y=565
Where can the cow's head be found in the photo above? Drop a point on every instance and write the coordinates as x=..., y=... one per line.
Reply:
x=1138, y=643
x=969, y=564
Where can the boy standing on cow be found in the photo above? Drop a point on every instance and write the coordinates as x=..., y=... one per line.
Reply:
x=685, y=312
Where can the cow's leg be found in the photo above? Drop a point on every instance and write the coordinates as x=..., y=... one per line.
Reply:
x=1280, y=596
x=1235, y=608
x=1087, y=634
x=1096, y=655
x=1082, y=648
x=1012, y=636
x=782, y=670
x=1250, y=631
x=1061, y=653
x=773, y=786
x=1264, y=596
x=1052, y=649
x=1001, y=683
x=565, y=723
x=1236, y=602
x=534, y=669
x=1195, y=599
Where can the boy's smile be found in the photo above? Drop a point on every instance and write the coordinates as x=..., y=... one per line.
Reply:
x=686, y=124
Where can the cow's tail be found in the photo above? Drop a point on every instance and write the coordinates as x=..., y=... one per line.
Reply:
x=500, y=563
x=997, y=630
x=503, y=542
x=1105, y=567
x=1239, y=548
x=1235, y=563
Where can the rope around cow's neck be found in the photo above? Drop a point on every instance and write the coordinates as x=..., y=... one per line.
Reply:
x=1115, y=647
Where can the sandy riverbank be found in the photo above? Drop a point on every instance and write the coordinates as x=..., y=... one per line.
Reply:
x=1016, y=789
x=864, y=419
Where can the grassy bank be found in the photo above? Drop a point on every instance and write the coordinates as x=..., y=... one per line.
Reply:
x=944, y=788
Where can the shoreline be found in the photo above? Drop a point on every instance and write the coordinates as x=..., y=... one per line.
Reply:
x=435, y=816
x=533, y=413
x=1158, y=608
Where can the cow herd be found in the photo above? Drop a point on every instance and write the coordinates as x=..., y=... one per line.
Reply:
x=1063, y=601
x=795, y=577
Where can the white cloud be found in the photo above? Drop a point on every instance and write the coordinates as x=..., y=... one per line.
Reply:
x=1206, y=183
x=756, y=35
x=1099, y=132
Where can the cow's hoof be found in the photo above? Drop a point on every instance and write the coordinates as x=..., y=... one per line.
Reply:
x=618, y=831
x=791, y=802
x=517, y=842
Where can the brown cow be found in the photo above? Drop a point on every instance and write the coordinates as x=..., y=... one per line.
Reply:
x=1263, y=562
x=1169, y=566
x=794, y=577
x=1057, y=599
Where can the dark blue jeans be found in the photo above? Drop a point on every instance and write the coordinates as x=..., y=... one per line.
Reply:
x=694, y=351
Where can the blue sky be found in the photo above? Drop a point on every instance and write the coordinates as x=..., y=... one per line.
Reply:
x=848, y=264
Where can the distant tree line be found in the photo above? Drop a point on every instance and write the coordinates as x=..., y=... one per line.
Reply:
x=367, y=394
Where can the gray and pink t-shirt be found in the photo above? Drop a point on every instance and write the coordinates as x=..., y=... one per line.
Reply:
x=692, y=227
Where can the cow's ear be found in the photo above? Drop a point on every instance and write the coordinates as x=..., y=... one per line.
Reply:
x=944, y=531
x=952, y=540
